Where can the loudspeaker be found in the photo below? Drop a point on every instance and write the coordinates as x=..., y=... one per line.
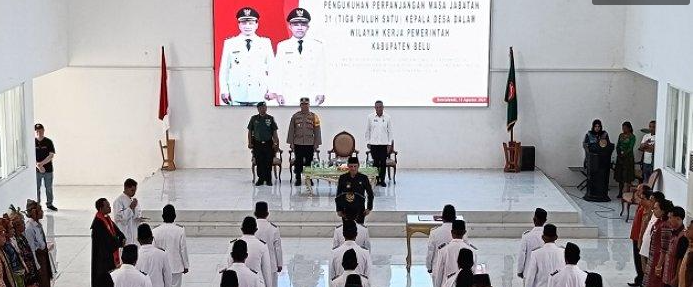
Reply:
x=527, y=158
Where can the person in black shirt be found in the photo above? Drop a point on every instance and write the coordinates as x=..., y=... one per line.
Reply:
x=263, y=140
x=45, y=151
x=354, y=189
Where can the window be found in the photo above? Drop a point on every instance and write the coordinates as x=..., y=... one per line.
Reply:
x=12, y=132
x=678, y=133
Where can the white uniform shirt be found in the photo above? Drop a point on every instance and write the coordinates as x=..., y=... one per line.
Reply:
x=340, y=280
x=243, y=73
x=570, y=276
x=446, y=260
x=297, y=75
x=171, y=238
x=128, y=276
x=439, y=236
x=363, y=238
x=363, y=257
x=246, y=277
x=647, y=238
x=451, y=279
x=126, y=219
x=542, y=263
x=269, y=233
x=530, y=241
x=379, y=130
x=258, y=257
x=154, y=262
x=647, y=156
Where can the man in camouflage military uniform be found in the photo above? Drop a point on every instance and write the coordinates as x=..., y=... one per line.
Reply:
x=263, y=140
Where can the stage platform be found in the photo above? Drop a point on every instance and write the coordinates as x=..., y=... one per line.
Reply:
x=213, y=202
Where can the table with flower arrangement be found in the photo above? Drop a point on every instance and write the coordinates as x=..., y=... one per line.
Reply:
x=332, y=174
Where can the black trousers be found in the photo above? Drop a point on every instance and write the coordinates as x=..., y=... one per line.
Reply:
x=379, y=153
x=637, y=262
x=304, y=156
x=264, y=154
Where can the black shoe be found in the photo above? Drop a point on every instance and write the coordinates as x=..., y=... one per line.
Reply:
x=634, y=284
x=51, y=207
x=297, y=182
x=258, y=183
x=383, y=184
x=268, y=183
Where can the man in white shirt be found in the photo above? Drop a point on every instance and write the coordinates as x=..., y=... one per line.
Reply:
x=544, y=261
x=171, y=238
x=151, y=260
x=244, y=65
x=448, y=253
x=258, y=254
x=363, y=256
x=36, y=238
x=531, y=240
x=127, y=275
x=571, y=275
x=269, y=233
x=363, y=237
x=246, y=277
x=349, y=263
x=379, y=139
x=647, y=146
x=465, y=262
x=440, y=235
x=127, y=212
x=656, y=198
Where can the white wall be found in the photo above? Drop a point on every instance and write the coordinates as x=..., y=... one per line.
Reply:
x=33, y=41
x=658, y=45
x=569, y=74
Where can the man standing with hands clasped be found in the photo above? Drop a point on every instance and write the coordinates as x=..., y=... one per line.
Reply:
x=264, y=141
x=45, y=151
x=379, y=139
x=304, y=137
x=127, y=211
x=353, y=188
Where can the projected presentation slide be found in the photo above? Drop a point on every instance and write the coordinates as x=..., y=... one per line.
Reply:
x=351, y=53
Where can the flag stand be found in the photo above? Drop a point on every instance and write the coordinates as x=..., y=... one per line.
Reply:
x=168, y=164
x=512, y=151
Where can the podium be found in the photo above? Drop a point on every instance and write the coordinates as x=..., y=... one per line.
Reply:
x=598, y=165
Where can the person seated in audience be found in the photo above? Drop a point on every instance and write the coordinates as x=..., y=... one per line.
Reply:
x=229, y=278
x=6, y=279
x=593, y=280
x=258, y=254
x=363, y=238
x=269, y=233
x=531, y=240
x=546, y=260
x=246, y=276
x=440, y=235
x=22, y=245
x=152, y=260
x=446, y=258
x=674, y=246
x=652, y=276
x=641, y=196
x=570, y=275
x=349, y=263
x=127, y=275
x=363, y=255
x=481, y=280
x=463, y=277
x=14, y=259
x=685, y=273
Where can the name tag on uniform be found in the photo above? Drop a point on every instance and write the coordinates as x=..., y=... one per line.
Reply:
x=235, y=52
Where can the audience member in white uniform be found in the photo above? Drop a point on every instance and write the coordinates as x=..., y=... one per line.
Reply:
x=363, y=238
x=363, y=255
x=531, y=240
x=570, y=275
x=152, y=260
x=246, y=277
x=349, y=263
x=269, y=233
x=440, y=235
x=171, y=238
x=127, y=211
x=229, y=278
x=545, y=260
x=446, y=259
x=463, y=277
x=127, y=275
x=258, y=255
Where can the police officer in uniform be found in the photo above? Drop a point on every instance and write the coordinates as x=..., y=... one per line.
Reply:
x=352, y=188
x=304, y=137
x=264, y=141
x=245, y=61
x=299, y=67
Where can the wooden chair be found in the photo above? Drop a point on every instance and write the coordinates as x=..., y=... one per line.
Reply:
x=390, y=163
x=343, y=147
x=276, y=165
x=628, y=198
x=292, y=161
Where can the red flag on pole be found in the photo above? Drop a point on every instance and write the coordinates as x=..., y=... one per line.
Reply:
x=163, y=93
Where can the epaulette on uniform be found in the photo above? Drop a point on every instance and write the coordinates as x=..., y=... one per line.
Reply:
x=272, y=223
x=261, y=241
x=145, y=274
x=233, y=241
x=442, y=245
x=555, y=272
x=452, y=274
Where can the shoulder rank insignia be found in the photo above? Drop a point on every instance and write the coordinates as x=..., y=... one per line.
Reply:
x=452, y=274
x=364, y=276
x=261, y=241
x=535, y=249
x=339, y=226
x=145, y=274
x=233, y=241
x=555, y=272
x=442, y=245
x=253, y=270
x=523, y=233
x=272, y=223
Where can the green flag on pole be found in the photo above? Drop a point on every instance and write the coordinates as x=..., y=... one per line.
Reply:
x=511, y=94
